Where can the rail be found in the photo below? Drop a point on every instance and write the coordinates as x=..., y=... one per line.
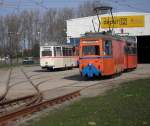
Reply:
x=3, y=97
x=12, y=116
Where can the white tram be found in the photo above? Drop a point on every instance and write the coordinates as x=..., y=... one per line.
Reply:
x=52, y=57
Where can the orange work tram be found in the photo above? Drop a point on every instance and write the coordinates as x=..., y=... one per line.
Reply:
x=102, y=55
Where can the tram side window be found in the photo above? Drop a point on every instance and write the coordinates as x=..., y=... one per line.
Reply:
x=75, y=51
x=108, y=47
x=126, y=50
x=46, y=53
x=132, y=50
x=70, y=51
x=57, y=51
x=64, y=51
x=67, y=51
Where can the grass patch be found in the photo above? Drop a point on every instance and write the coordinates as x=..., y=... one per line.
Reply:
x=129, y=105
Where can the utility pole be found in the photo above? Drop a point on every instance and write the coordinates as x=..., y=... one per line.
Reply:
x=39, y=35
x=10, y=47
x=13, y=50
x=17, y=39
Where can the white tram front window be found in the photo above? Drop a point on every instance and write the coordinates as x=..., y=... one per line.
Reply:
x=46, y=53
x=57, y=51
x=91, y=50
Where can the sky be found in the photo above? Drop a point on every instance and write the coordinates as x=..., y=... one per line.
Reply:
x=11, y=6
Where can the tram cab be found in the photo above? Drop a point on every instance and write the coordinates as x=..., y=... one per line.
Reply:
x=101, y=55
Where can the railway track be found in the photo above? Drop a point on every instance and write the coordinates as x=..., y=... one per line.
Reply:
x=46, y=78
x=30, y=104
x=38, y=97
x=29, y=79
x=3, y=97
x=8, y=106
x=10, y=110
x=26, y=110
x=14, y=115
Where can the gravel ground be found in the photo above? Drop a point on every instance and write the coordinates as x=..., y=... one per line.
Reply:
x=58, y=83
x=62, y=81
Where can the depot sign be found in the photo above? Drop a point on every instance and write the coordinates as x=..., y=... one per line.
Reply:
x=122, y=21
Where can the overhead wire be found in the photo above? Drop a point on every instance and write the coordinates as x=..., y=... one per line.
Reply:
x=40, y=4
x=44, y=4
x=127, y=5
x=130, y=6
x=17, y=7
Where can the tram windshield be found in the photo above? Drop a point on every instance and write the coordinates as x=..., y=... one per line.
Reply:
x=46, y=53
x=91, y=50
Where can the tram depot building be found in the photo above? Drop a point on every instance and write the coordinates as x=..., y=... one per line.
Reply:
x=125, y=23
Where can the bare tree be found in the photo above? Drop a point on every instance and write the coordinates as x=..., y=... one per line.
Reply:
x=86, y=9
x=28, y=29
x=12, y=25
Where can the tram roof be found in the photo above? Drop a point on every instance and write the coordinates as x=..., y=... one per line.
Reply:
x=56, y=44
x=108, y=35
x=103, y=35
